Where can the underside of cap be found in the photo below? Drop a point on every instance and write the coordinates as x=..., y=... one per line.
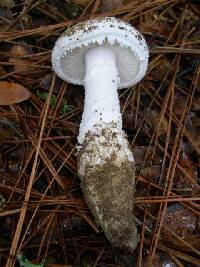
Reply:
x=128, y=44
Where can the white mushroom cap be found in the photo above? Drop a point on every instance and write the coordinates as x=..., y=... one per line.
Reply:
x=128, y=44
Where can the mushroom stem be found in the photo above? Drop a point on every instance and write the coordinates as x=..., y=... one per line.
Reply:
x=105, y=162
x=101, y=97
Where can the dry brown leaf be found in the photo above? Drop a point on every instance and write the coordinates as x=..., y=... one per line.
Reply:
x=180, y=220
x=11, y=93
x=19, y=51
x=21, y=65
x=184, y=224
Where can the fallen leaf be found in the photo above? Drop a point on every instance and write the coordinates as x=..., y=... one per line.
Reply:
x=180, y=220
x=20, y=51
x=46, y=81
x=21, y=65
x=184, y=224
x=11, y=93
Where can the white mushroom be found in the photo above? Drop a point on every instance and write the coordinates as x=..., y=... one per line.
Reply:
x=104, y=55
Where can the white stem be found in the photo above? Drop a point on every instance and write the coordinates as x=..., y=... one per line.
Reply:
x=101, y=97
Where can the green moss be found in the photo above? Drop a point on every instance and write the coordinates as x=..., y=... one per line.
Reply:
x=26, y=263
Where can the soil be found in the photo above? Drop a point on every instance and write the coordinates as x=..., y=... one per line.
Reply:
x=108, y=188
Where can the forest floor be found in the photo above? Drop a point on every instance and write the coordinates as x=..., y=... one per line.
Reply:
x=43, y=216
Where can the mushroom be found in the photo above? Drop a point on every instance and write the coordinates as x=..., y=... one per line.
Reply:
x=104, y=55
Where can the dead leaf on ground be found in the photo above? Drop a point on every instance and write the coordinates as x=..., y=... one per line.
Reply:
x=21, y=65
x=183, y=223
x=46, y=82
x=180, y=220
x=11, y=93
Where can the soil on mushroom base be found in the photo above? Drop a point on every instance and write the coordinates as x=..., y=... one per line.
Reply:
x=108, y=189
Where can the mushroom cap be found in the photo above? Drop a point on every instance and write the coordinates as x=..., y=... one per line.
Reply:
x=128, y=44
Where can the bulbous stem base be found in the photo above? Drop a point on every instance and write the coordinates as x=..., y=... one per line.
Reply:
x=107, y=173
